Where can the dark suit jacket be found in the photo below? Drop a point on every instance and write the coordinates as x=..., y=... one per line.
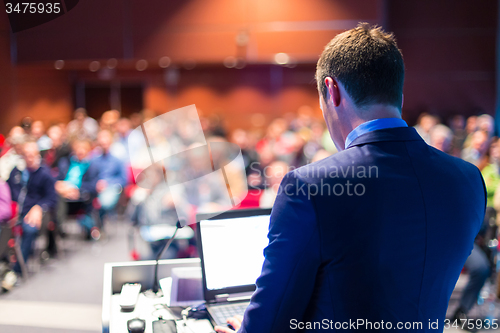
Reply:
x=40, y=189
x=379, y=231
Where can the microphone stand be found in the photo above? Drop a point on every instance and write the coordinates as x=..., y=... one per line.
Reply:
x=167, y=245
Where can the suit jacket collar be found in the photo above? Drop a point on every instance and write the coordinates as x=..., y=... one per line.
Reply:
x=388, y=134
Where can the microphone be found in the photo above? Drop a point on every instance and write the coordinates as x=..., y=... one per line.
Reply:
x=165, y=248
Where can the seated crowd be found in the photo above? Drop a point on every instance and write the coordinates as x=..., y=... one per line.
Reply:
x=83, y=168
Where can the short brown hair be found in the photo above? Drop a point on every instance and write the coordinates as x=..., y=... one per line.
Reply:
x=368, y=63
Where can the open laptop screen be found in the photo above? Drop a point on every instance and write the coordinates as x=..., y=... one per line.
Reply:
x=232, y=250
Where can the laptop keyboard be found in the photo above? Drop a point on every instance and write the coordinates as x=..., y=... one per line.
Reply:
x=220, y=313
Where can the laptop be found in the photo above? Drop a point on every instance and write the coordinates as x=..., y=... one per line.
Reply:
x=231, y=248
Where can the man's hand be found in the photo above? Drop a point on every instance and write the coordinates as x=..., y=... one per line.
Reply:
x=60, y=186
x=67, y=190
x=72, y=193
x=34, y=216
x=101, y=185
x=234, y=321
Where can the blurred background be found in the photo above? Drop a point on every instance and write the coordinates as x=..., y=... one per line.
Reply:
x=78, y=85
x=235, y=59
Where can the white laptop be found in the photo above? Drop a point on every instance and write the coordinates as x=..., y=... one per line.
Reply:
x=231, y=247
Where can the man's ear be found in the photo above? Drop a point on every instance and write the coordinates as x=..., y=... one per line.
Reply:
x=333, y=90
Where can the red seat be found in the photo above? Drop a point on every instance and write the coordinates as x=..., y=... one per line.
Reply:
x=252, y=199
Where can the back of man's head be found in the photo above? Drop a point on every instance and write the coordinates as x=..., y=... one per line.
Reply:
x=80, y=114
x=368, y=63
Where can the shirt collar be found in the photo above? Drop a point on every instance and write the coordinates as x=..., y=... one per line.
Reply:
x=374, y=125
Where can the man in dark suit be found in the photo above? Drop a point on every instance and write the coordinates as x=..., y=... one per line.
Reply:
x=33, y=189
x=375, y=236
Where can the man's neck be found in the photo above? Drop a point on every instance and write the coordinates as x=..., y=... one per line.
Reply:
x=371, y=113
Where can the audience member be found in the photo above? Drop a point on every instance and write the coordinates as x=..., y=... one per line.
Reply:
x=136, y=119
x=480, y=263
x=471, y=125
x=26, y=124
x=11, y=153
x=59, y=149
x=77, y=182
x=82, y=127
x=153, y=206
x=109, y=119
x=5, y=203
x=486, y=123
x=470, y=129
x=38, y=133
x=457, y=126
x=33, y=189
x=490, y=169
x=119, y=148
x=478, y=146
x=478, y=267
x=7, y=275
x=424, y=125
x=111, y=174
x=441, y=138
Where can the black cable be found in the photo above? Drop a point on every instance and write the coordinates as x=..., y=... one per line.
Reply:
x=167, y=245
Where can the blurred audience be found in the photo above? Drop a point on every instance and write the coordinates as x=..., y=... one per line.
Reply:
x=91, y=161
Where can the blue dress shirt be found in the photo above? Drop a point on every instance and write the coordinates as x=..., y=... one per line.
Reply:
x=373, y=125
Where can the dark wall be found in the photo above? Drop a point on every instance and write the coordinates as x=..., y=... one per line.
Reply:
x=449, y=51
x=201, y=30
x=39, y=92
x=448, y=46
